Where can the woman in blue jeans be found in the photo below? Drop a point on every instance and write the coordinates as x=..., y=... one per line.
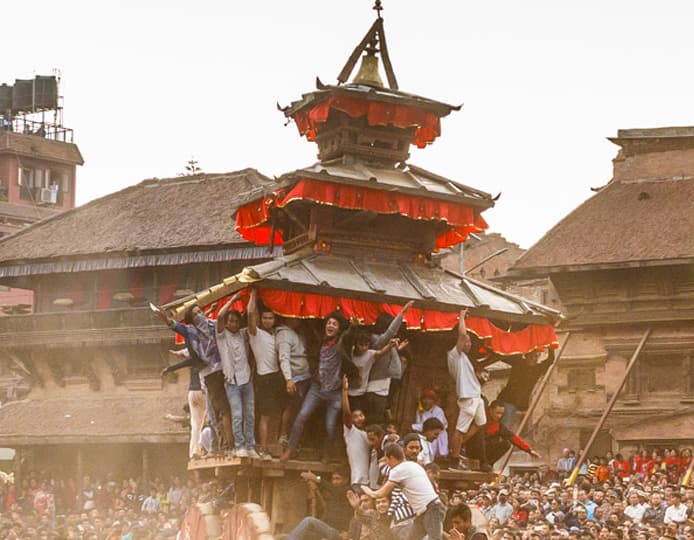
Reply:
x=326, y=388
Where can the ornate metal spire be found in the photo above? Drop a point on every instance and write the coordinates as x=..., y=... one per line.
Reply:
x=374, y=42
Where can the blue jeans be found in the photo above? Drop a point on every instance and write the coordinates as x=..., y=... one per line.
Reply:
x=333, y=407
x=509, y=412
x=310, y=527
x=242, y=405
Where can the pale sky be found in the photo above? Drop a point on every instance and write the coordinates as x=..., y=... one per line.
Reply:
x=148, y=84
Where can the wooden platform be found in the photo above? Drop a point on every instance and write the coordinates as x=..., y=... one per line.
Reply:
x=275, y=468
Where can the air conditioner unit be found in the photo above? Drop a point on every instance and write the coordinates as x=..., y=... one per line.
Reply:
x=48, y=195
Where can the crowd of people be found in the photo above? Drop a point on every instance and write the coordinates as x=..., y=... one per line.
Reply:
x=246, y=378
x=43, y=506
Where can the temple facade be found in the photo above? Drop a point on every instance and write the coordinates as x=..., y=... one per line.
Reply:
x=621, y=264
x=80, y=379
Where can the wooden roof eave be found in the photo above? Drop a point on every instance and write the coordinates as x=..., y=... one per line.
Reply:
x=521, y=272
x=394, y=97
x=295, y=176
x=261, y=275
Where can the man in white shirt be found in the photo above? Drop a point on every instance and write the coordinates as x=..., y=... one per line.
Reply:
x=356, y=442
x=471, y=415
x=269, y=383
x=635, y=509
x=233, y=345
x=291, y=351
x=419, y=491
x=676, y=512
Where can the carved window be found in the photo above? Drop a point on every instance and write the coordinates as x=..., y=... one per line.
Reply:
x=581, y=378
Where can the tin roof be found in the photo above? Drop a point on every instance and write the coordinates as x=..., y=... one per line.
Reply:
x=375, y=279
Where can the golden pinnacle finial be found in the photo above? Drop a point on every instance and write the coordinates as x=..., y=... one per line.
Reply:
x=378, y=7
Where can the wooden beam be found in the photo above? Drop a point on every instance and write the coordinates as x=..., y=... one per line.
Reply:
x=608, y=409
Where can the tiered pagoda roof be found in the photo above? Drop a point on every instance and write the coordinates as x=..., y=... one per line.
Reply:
x=360, y=226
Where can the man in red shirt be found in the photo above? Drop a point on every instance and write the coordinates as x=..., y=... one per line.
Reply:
x=492, y=442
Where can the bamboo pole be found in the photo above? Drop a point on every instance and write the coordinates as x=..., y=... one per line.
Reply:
x=533, y=404
x=687, y=478
x=634, y=357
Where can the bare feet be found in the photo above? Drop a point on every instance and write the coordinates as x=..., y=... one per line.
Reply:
x=287, y=454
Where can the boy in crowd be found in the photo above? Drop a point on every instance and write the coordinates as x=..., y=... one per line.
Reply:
x=429, y=409
x=363, y=358
x=363, y=467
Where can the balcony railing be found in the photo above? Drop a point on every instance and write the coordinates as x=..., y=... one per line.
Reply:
x=110, y=326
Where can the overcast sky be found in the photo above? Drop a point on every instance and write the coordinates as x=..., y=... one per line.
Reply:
x=148, y=84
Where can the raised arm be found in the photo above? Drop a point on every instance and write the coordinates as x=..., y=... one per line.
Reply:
x=346, y=410
x=223, y=312
x=253, y=313
x=393, y=327
x=463, y=344
x=383, y=491
x=385, y=350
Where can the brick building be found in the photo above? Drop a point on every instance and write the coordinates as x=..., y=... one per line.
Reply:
x=622, y=262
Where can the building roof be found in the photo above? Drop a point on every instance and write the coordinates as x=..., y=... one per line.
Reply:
x=627, y=223
x=35, y=146
x=126, y=419
x=381, y=280
x=405, y=178
x=26, y=212
x=155, y=216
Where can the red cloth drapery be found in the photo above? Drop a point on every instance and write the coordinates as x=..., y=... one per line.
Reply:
x=426, y=123
x=253, y=218
x=532, y=337
x=317, y=306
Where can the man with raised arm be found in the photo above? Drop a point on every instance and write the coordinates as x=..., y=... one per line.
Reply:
x=471, y=415
x=234, y=349
x=326, y=387
x=269, y=383
x=357, y=445
x=199, y=335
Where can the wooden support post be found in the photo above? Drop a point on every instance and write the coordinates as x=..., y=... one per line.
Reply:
x=145, y=463
x=533, y=404
x=634, y=357
x=79, y=465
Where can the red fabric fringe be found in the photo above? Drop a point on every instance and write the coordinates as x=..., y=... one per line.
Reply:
x=427, y=123
x=317, y=306
x=253, y=219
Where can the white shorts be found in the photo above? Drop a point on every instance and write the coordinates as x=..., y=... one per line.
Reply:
x=470, y=409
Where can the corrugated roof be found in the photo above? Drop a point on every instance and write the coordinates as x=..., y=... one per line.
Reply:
x=155, y=215
x=626, y=222
x=129, y=419
x=382, y=281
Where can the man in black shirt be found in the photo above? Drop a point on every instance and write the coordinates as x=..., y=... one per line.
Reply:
x=336, y=514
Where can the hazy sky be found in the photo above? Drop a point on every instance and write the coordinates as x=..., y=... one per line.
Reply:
x=148, y=84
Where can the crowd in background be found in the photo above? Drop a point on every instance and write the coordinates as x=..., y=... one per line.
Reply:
x=43, y=506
